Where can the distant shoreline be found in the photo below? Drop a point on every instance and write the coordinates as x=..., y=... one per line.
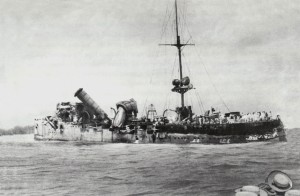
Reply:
x=17, y=130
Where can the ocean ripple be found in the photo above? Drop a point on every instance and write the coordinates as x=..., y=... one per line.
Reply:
x=29, y=167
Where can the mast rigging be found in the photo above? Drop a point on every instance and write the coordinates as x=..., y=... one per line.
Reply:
x=179, y=45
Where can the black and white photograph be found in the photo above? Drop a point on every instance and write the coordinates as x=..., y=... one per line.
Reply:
x=150, y=97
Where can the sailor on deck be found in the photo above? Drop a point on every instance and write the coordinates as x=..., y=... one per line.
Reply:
x=270, y=115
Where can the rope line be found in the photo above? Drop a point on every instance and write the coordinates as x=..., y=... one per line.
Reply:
x=166, y=20
x=212, y=82
x=191, y=37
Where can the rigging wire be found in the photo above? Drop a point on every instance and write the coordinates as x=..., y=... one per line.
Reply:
x=191, y=101
x=191, y=76
x=200, y=101
x=166, y=102
x=182, y=22
x=144, y=108
x=201, y=107
x=164, y=27
x=167, y=105
x=212, y=82
x=167, y=16
x=215, y=88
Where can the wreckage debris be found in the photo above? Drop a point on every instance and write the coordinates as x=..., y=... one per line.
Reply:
x=85, y=112
x=90, y=103
x=88, y=112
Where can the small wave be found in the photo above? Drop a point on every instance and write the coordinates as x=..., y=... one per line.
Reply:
x=7, y=188
x=132, y=162
x=254, y=162
x=180, y=183
x=44, y=171
x=145, y=168
x=143, y=193
x=55, y=187
x=109, y=178
x=224, y=166
x=81, y=143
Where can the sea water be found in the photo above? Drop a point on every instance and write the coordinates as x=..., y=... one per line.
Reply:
x=29, y=167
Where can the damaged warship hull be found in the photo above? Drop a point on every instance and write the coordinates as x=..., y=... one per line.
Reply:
x=86, y=121
x=204, y=134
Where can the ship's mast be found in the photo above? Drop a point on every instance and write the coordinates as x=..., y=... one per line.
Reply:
x=179, y=45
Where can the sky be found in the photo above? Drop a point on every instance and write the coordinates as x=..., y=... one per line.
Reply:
x=245, y=55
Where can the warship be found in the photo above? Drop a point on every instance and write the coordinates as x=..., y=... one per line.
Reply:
x=86, y=121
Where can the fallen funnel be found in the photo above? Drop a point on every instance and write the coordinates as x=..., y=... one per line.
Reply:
x=89, y=102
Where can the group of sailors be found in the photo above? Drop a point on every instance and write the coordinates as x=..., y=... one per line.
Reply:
x=218, y=118
x=236, y=117
x=256, y=116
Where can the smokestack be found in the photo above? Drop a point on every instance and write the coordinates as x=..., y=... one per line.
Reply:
x=89, y=102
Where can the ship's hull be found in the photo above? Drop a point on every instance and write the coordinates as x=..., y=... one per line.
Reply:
x=178, y=134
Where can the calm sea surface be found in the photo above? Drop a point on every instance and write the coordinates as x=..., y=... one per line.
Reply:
x=29, y=167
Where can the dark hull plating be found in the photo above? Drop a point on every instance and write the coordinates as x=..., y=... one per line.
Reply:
x=238, y=129
x=169, y=133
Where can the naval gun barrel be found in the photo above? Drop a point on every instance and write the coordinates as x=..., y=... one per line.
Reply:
x=89, y=102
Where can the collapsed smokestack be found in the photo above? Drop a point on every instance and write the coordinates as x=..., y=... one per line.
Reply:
x=89, y=102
